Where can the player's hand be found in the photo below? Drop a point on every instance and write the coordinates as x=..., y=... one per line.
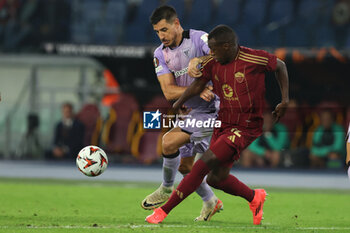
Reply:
x=279, y=111
x=193, y=68
x=207, y=94
x=184, y=111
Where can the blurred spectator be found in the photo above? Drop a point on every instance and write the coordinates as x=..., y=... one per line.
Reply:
x=8, y=15
x=132, y=9
x=327, y=143
x=266, y=150
x=69, y=136
x=30, y=147
x=20, y=29
x=8, y=10
x=55, y=19
x=341, y=21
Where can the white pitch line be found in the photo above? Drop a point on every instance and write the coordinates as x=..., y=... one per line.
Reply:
x=263, y=227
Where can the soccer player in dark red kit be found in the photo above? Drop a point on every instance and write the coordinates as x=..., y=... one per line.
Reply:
x=238, y=76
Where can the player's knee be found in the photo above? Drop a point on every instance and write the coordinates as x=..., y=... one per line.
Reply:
x=210, y=159
x=185, y=168
x=212, y=180
x=168, y=146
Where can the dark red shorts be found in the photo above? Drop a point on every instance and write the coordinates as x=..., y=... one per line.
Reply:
x=229, y=141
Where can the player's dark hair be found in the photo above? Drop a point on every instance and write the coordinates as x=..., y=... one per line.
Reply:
x=163, y=12
x=223, y=34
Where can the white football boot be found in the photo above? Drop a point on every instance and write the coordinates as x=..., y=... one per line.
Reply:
x=157, y=198
x=211, y=207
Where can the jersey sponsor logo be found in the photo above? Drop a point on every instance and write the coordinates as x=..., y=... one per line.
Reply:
x=239, y=76
x=204, y=38
x=180, y=72
x=155, y=62
x=228, y=91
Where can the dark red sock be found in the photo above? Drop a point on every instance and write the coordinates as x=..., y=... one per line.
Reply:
x=233, y=186
x=187, y=186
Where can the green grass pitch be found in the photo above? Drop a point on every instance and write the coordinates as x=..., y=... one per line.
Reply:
x=29, y=205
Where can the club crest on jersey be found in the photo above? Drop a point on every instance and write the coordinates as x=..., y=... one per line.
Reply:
x=239, y=76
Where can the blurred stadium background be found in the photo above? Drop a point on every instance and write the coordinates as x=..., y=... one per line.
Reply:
x=98, y=56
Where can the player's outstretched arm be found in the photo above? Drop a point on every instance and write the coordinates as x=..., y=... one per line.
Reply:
x=194, y=89
x=282, y=79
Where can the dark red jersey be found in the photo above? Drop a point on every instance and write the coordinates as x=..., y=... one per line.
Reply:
x=240, y=85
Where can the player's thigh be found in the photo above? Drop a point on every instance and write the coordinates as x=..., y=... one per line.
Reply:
x=224, y=151
x=175, y=138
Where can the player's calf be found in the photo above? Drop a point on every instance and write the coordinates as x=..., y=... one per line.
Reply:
x=186, y=165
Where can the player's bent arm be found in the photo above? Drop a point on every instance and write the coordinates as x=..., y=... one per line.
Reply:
x=196, y=87
x=170, y=90
x=282, y=79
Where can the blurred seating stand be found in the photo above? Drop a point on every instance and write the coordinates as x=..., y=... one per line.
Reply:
x=121, y=124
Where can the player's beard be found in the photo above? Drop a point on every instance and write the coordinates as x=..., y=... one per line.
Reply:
x=173, y=44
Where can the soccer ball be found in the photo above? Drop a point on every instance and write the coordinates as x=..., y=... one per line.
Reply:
x=92, y=161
